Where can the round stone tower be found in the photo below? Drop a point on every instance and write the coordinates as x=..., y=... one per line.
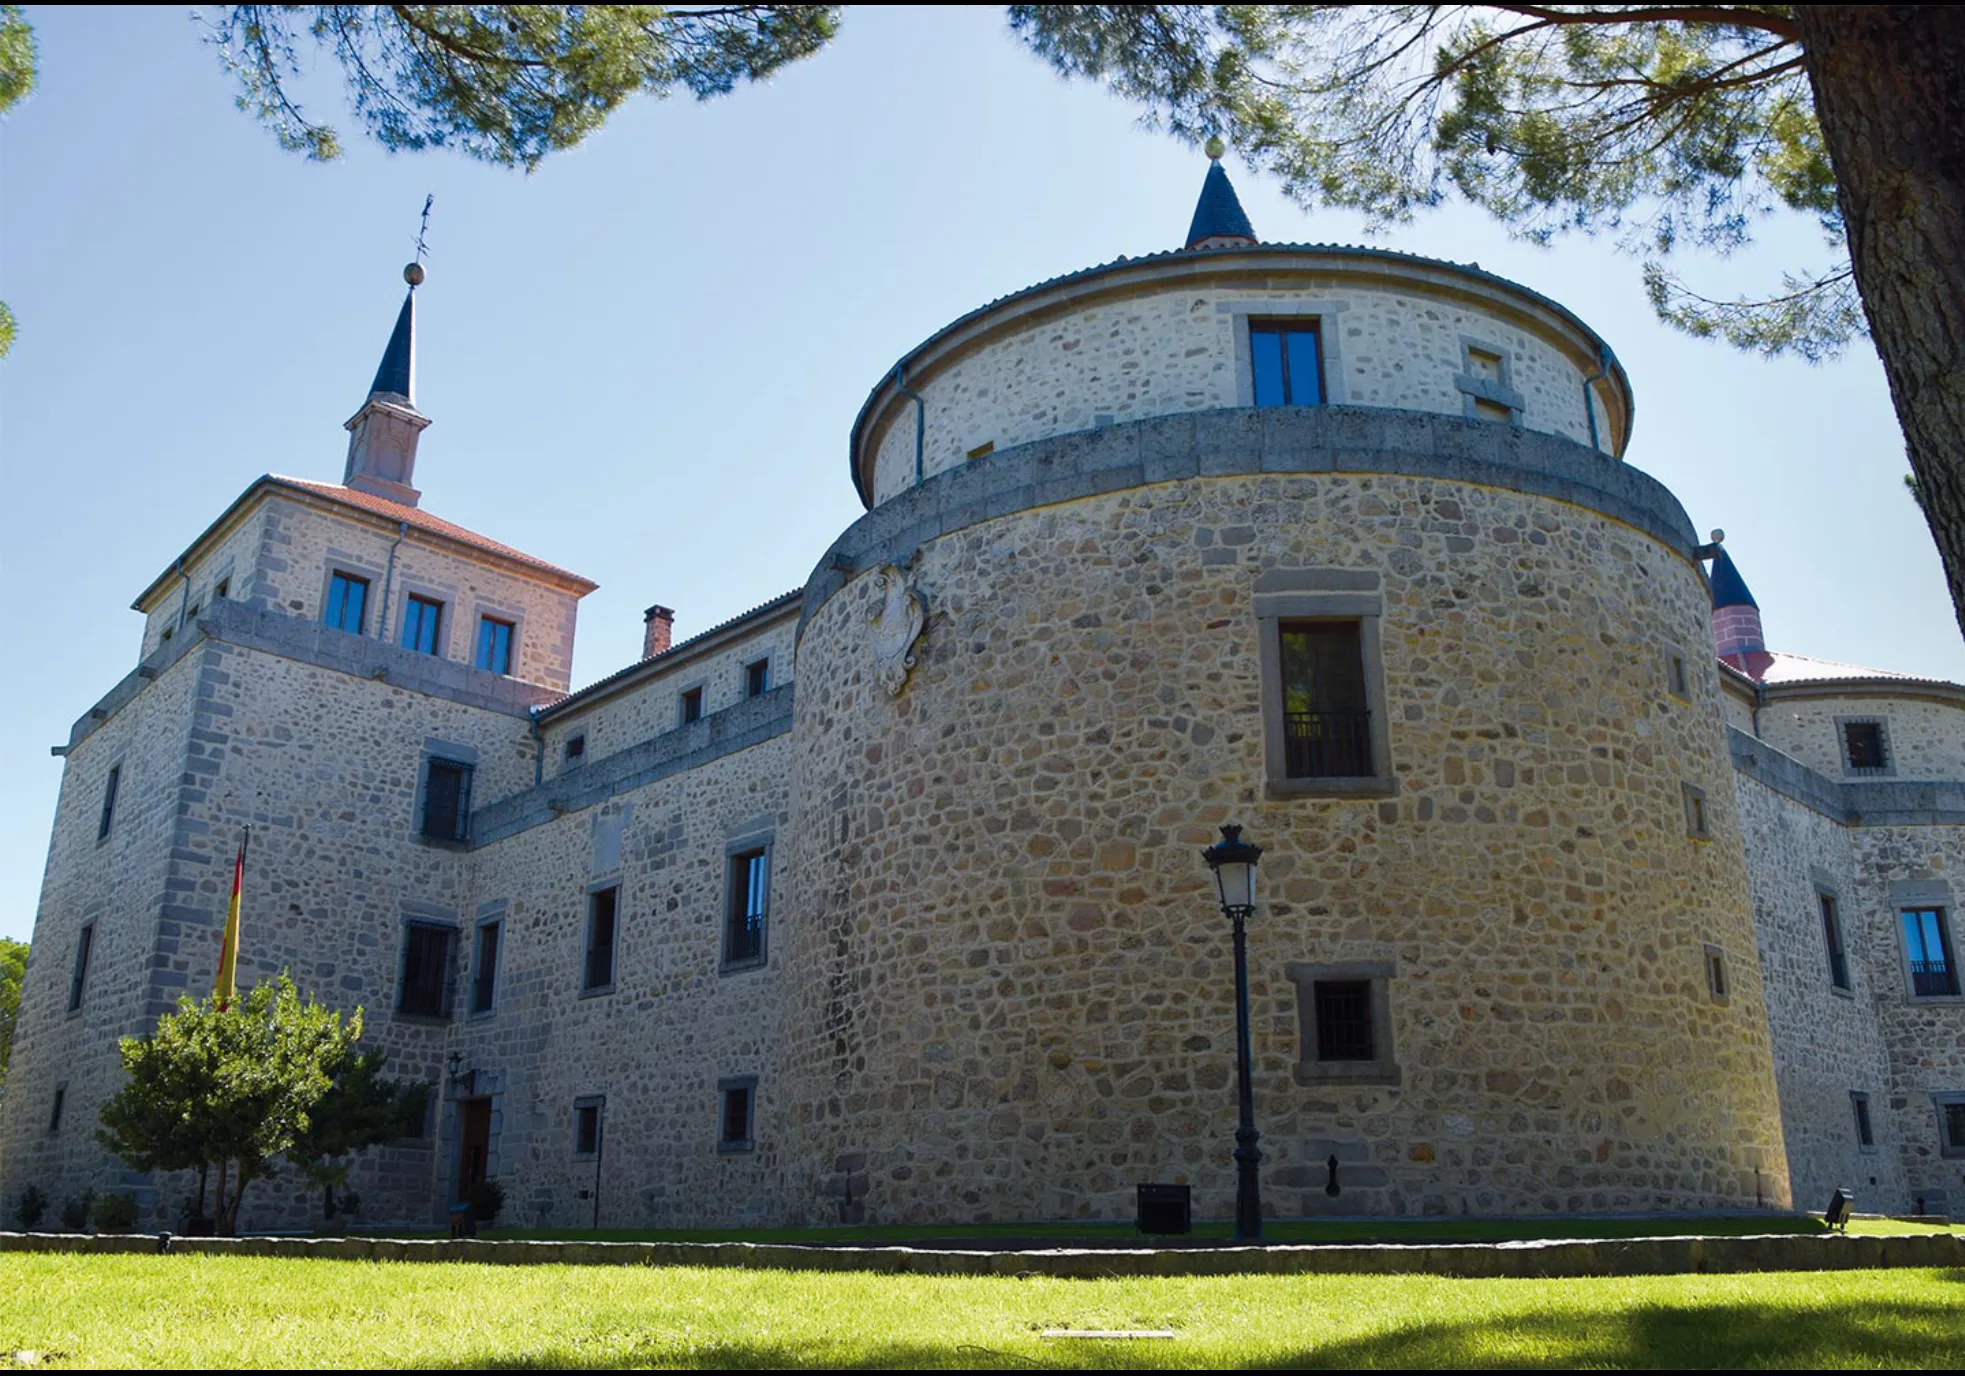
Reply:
x=1335, y=544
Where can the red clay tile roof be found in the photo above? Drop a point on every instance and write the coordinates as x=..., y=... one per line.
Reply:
x=424, y=521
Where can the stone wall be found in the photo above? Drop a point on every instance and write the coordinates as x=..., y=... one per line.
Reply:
x=1016, y=996
x=234, y=558
x=1828, y=1042
x=614, y=720
x=673, y=1023
x=1171, y=347
x=1925, y=737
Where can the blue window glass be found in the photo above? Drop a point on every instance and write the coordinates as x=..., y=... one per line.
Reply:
x=1285, y=364
x=494, y=645
x=422, y=619
x=1928, y=945
x=347, y=600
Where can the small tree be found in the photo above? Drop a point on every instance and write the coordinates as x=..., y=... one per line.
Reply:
x=13, y=967
x=231, y=1086
x=359, y=1111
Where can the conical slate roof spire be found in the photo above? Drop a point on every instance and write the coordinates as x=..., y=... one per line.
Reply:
x=1729, y=588
x=397, y=375
x=1736, y=616
x=1219, y=220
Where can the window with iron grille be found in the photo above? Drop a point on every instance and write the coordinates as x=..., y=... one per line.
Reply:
x=1865, y=748
x=1929, y=953
x=1285, y=363
x=1326, y=721
x=78, y=977
x=484, y=983
x=446, y=800
x=1951, y=1124
x=1832, y=938
x=1344, y=1020
x=748, y=887
x=109, y=787
x=736, y=1112
x=347, y=603
x=425, y=990
x=597, y=973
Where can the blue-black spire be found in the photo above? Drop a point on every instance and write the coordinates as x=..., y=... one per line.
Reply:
x=1729, y=588
x=1218, y=216
x=398, y=371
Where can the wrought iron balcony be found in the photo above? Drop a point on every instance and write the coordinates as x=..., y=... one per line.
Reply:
x=1327, y=745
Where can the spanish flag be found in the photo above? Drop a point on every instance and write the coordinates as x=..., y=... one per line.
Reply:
x=228, y=954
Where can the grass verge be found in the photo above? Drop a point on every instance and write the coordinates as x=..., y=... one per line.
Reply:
x=193, y=1311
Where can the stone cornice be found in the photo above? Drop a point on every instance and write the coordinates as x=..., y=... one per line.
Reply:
x=1878, y=803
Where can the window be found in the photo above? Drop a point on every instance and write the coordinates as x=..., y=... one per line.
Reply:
x=576, y=748
x=1951, y=1124
x=79, y=976
x=1486, y=383
x=597, y=976
x=1865, y=748
x=422, y=624
x=1928, y=948
x=743, y=927
x=1324, y=718
x=586, y=1127
x=1716, y=985
x=494, y=645
x=1675, y=677
x=736, y=1110
x=1695, y=811
x=1865, y=1137
x=692, y=706
x=1284, y=358
x=54, y=1114
x=425, y=988
x=109, y=787
x=1832, y=938
x=1326, y=724
x=1344, y=1018
x=757, y=678
x=222, y=588
x=347, y=601
x=446, y=800
x=485, y=984
x=1491, y=410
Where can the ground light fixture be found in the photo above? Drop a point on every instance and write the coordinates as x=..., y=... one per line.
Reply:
x=1233, y=861
x=1841, y=1204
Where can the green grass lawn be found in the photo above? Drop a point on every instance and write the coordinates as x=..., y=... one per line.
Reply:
x=229, y=1312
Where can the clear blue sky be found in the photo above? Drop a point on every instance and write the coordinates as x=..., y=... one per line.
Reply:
x=642, y=360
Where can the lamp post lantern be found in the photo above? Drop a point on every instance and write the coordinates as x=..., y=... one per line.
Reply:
x=1233, y=861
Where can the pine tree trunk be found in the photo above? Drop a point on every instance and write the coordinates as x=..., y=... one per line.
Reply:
x=1889, y=85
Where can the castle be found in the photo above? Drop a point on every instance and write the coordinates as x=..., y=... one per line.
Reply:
x=884, y=900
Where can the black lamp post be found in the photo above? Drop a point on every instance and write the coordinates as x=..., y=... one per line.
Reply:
x=1233, y=861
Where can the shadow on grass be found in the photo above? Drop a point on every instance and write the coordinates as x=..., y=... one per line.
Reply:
x=1844, y=1334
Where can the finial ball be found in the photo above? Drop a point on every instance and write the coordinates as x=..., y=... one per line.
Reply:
x=414, y=274
x=1718, y=535
x=1215, y=147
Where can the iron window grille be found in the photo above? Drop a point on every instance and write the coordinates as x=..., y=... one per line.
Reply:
x=426, y=987
x=744, y=918
x=1928, y=947
x=1864, y=749
x=1326, y=724
x=1344, y=1021
x=1951, y=1125
x=447, y=800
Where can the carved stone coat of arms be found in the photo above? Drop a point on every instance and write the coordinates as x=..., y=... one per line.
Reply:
x=896, y=621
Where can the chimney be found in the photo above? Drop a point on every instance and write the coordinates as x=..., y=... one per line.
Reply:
x=656, y=625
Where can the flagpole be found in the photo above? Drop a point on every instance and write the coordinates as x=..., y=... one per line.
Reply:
x=226, y=987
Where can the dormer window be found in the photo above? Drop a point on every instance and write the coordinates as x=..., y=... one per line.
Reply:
x=1287, y=362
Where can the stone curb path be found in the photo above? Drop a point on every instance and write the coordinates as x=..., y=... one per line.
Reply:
x=1654, y=1256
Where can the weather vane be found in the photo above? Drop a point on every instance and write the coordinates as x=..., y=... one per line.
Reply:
x=414, y=274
